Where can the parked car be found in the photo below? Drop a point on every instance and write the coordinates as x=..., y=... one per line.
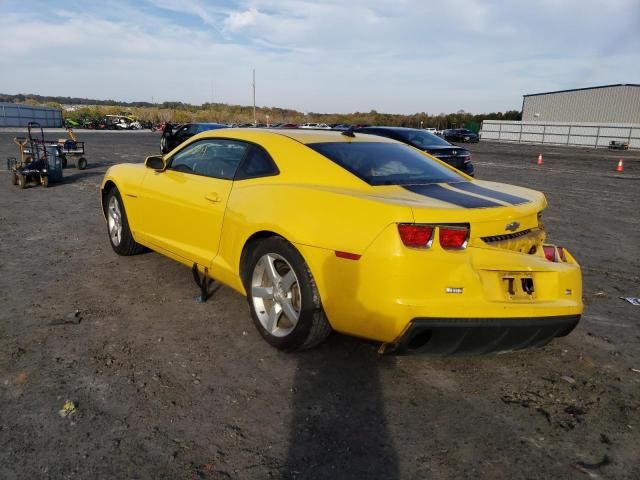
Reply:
x=457, y=157
x=172, y=136
x=355, y=233
x=322, y=126
x=120, y=122
x=460, y=135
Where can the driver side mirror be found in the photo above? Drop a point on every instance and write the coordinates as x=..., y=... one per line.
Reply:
x=155, y=162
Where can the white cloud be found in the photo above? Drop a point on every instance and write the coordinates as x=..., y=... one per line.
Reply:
x=321, y=56
x=239, y=20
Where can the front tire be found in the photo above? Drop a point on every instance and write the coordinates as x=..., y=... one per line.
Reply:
x=118, y=229
x=82, y=163
x=283, y=297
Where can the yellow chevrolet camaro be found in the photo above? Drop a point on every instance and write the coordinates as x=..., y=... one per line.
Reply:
x=351, y=232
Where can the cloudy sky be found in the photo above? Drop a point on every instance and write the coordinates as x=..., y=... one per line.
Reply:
x=399, y=56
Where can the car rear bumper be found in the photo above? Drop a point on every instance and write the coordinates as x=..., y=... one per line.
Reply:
x=475, y=336
x=390, y=287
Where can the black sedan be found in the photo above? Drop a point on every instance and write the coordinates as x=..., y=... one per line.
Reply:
x=457, y=157
x=460, y=135
x=172, y=136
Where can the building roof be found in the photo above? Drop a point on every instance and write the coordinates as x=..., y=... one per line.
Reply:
x=27, y=106
x=586, y=88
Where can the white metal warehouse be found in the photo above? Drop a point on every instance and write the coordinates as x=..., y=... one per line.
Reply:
x=20, y=114
x=606, y=104
x=588, y=117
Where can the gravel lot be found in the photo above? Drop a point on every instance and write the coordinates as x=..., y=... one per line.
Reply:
x=165, y=387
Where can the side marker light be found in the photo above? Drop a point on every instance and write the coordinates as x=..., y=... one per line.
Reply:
x=347, y=255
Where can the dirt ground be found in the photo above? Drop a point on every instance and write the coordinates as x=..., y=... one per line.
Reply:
x=165, y=387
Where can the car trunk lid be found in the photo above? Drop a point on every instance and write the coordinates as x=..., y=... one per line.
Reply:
x=454, y=156
x=499, y=215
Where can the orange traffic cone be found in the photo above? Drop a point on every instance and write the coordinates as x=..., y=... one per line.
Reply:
x=539, y=159
x=620, y=167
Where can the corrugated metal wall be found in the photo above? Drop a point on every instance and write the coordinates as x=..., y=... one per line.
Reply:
x=615, y=104
x=19, y=115
x=562, y=133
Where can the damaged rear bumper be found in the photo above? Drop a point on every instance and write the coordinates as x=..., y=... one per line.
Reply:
x=475, y=336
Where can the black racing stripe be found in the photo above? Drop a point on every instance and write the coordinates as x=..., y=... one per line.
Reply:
x=487, y=192
x=457, y=198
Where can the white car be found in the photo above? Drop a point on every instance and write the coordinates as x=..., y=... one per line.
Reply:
x=322, y=126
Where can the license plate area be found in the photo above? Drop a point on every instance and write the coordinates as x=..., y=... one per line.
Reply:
x=518, y=286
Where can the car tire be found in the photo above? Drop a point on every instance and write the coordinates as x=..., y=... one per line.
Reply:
x=64, y=161
x=45, y=181
x=82, y=163
x=14, y=178
x=118, y=229
x=283, y=297
x=20, y=180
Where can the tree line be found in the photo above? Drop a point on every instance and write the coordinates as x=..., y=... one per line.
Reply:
x=179, y=112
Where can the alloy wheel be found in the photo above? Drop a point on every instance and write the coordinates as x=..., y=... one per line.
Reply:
x=114, y=221
x=275, y=293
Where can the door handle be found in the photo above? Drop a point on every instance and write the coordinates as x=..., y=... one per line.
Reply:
x=212, y=197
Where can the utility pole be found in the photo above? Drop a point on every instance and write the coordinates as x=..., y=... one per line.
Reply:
x=254, y=97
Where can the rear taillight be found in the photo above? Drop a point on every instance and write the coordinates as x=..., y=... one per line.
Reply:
x=550, y=253
x=554, y=254
x=466, y=159
x=453, y=238
x=416, y=236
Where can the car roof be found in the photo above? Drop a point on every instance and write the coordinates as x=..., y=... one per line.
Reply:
x=304, y=136
x=393, y=129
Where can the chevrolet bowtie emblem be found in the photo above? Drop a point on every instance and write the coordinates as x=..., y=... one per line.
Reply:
x=512, y=227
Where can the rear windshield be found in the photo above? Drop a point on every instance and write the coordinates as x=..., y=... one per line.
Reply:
x=423, y=139
x=386, y=163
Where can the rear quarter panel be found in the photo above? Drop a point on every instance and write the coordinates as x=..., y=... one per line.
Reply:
x=306, y=215
x=312, y=201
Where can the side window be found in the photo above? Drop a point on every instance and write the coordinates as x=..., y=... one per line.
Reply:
x=216, y=158
x=258, y=163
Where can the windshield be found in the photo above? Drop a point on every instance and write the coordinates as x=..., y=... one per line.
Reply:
x=386, y=163
x=423, y=139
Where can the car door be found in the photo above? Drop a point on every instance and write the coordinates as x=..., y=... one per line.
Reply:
x=182, y=207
